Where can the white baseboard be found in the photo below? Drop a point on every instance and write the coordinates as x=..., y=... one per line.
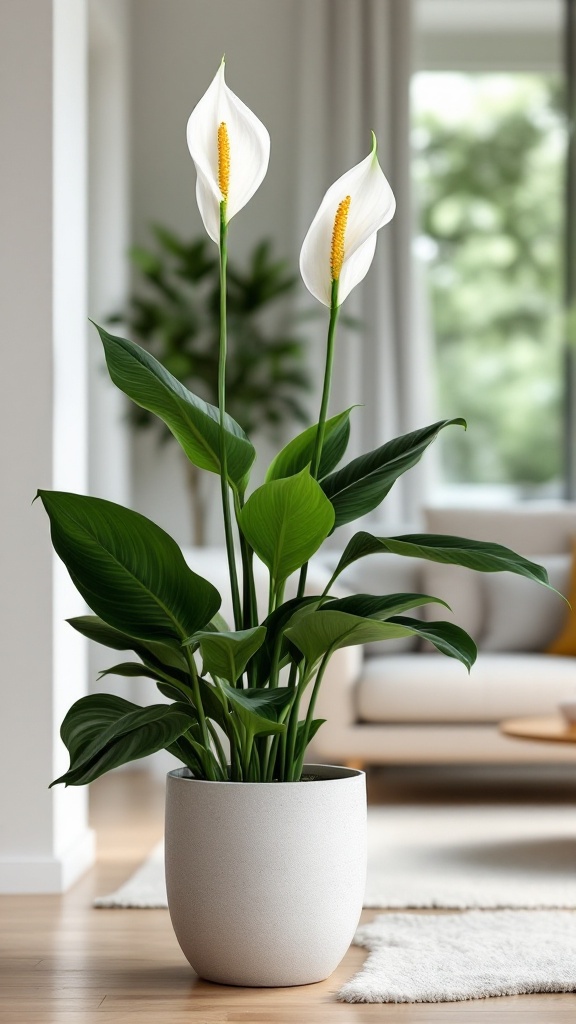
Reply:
x=45, y=875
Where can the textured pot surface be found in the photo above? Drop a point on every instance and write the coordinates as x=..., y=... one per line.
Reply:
x=266, y=881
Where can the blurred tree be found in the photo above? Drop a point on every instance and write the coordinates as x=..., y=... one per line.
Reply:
x=490, y=182
x=174, y=312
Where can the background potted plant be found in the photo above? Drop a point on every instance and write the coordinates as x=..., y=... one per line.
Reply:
x=265, y=855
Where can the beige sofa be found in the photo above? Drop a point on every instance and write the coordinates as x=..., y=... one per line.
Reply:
x=396, y=703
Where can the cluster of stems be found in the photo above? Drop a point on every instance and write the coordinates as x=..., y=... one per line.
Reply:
x=279, y=757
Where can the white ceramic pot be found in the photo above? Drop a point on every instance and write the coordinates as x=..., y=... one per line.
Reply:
x=266, y=880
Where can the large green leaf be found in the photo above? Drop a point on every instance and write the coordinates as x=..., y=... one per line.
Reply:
x=360, y=486
x=166, y=659
x=102, y=731
x=299, y=451
x=226, y=654
x=194, y=423
x=474, y=554
x=259, y=709
x=128, y=570
x=314, y=635
x=324, y=632
x=285, y=522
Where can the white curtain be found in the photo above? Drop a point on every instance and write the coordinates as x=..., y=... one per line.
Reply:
x=353, y=77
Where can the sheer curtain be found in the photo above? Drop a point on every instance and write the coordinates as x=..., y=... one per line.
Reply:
x=353, y=77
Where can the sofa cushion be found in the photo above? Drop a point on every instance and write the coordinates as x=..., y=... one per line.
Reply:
x=460, y=588
x=545, y=526
x=520, y=614
x=432, y=688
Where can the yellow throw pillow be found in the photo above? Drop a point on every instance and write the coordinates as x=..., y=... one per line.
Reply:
x=565, y=642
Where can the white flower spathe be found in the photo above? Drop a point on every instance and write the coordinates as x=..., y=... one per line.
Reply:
x=372, y=204
x=249, y=152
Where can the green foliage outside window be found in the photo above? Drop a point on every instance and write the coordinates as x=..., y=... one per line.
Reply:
x=489, y=170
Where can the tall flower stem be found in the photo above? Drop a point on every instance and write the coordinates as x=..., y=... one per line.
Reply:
x=319, y=441
x=222, y=409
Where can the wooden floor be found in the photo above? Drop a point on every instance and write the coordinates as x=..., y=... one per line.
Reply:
x=62, y=962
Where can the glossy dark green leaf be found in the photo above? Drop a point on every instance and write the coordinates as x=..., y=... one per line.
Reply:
x=299, y=451
x=373, y=607
x=303, y=739
x=325, y=631
x=359, y=487
x=448, y=638
x=128, y=570
x=259, y=709
x=102, y=731
x=164, y=661
x=473, y=554
x=285, y=522
x=275, y=624
x=194, y=423
x=131, y=670
x=226, y=654
x=166, y=657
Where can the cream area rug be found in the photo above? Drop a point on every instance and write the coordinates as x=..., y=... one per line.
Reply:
x=430, y=958
x=452, y=857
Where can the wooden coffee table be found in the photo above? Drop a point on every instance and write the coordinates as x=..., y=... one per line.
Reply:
x=550, y=729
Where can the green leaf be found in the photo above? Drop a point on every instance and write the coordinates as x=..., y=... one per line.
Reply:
x=128, y=570
x=298, y=453
x=302, y=740
x=288, y=612
x=372, y=607
x=167, y=658
x=448, y=638
x=259, y=709
x=325, y=631
x=360, y=486
x=194, y=423
x=226, y=654
x=285, y=522
x=131, y=669
x=102, y=731
x=473, y=554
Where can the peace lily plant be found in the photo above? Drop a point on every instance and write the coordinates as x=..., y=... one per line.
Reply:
x=230, y=719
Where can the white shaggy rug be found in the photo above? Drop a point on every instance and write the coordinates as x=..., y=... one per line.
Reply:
x=454, y=857
x=430, y=958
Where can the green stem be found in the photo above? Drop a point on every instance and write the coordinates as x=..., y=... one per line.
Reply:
x=200, y=711
x=222, y=759
x=319, y=440
x=222, y=409
x=310, y=715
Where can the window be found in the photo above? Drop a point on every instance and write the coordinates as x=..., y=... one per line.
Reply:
x=489, y=165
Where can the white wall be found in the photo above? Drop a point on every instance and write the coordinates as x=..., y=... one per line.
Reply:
x=177, y=46
x=44, y=840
